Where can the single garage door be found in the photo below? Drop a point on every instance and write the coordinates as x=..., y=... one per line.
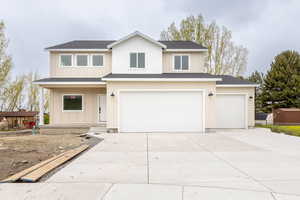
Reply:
x=161, y=111
x=231, y=111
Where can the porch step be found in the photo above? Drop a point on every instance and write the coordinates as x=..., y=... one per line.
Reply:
x=97, y=129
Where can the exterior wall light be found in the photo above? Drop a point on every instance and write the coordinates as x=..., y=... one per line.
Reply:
x=112, y=94
x=251, y=97
x=210, y=94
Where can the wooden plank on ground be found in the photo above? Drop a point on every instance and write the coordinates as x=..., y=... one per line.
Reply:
x=18, y=175
x=38, y=173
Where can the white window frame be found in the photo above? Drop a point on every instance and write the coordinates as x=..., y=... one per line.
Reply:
x=66, y=54
x=181, y=70
x=82, y=54
x=82, y=103
x=96, y=54
x=137, y=61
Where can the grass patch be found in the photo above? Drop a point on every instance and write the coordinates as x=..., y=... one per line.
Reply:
x=289, y=130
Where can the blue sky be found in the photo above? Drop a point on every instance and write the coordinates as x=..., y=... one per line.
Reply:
x=265, y=27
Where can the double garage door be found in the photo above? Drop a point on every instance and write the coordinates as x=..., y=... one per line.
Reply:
x=176, y=111
x=161, y=111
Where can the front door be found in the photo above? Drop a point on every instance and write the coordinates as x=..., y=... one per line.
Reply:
x=102, y=107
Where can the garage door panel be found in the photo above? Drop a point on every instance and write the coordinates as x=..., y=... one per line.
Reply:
x=231, y=112
x=161, y=111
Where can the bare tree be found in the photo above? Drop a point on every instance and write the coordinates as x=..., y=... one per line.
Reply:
x=13, y=95
x=5, y=60
x=223, y=56
x=33, y=92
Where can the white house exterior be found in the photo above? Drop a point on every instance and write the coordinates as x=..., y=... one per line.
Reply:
x=138, y=84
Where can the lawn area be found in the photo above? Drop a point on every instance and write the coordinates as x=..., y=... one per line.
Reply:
x=290, y=130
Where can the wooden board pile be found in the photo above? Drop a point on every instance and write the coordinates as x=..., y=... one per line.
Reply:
x=35, y=172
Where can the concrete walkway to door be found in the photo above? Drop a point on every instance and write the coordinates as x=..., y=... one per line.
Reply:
x=235, y=164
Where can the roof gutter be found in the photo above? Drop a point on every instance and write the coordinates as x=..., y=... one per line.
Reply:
x=68, y=83
x=186, y=50
x=237, y=85
x=165, y=79
x=78, y=50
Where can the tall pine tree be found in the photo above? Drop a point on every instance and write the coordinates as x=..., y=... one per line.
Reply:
x=282, y=83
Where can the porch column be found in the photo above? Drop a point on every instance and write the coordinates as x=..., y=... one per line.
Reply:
x=41, y=105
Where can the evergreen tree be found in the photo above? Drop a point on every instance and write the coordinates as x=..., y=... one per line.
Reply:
x=257, y=77
x=282, y=83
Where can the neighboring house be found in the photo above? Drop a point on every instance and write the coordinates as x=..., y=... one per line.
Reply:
x=138, y=84
x=261, y=118
x=19, y=119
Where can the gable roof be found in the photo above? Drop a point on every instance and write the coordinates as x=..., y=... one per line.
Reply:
x=83, y=44
x=136, y=33
x=106, y=44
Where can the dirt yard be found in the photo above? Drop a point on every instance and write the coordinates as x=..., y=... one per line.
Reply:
x=20, y=152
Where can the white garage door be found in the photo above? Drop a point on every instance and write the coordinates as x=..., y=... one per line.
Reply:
x=231, y=111
x=161, y=111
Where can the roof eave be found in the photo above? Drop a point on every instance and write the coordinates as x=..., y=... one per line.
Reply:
x=237, y=85
x=186, y=50
x=69, y=83
x=164, y=79
x=78, y=50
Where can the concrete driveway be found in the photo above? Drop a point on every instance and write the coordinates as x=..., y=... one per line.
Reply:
x=228, y=165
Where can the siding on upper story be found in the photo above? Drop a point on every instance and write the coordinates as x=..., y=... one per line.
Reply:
x=57, y=71
x=137, y=44
x=196, y=62
x=154, y=63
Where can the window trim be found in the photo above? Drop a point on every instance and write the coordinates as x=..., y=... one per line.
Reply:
x=66, y=54
x=82, y=54
x=181, y=70
x=137, y=61
x=96, y=54
x=82, y=103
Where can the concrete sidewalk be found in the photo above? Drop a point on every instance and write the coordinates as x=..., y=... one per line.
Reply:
x=234, y=164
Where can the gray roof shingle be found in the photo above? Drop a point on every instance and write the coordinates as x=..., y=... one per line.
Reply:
x=182, y=45
x=102, y=44
x=231, y=80
x=83, y=44
x=226, y=79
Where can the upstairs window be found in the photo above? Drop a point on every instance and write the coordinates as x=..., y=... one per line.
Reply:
x=181, y=62
x=82, y=60
x=66, y=60
x=97, y=60
x=137, y=60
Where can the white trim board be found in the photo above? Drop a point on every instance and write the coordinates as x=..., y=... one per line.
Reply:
x=81, y=50
x=237, y=85
x=162, y=90
x=185, y=50
x=69, y=83
x=164, y=79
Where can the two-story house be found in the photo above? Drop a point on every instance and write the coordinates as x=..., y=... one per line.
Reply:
x=138, y=84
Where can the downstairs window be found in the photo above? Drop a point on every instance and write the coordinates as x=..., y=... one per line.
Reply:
x=72, y=103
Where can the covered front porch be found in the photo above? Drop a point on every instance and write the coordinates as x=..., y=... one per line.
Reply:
x=74, y=101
